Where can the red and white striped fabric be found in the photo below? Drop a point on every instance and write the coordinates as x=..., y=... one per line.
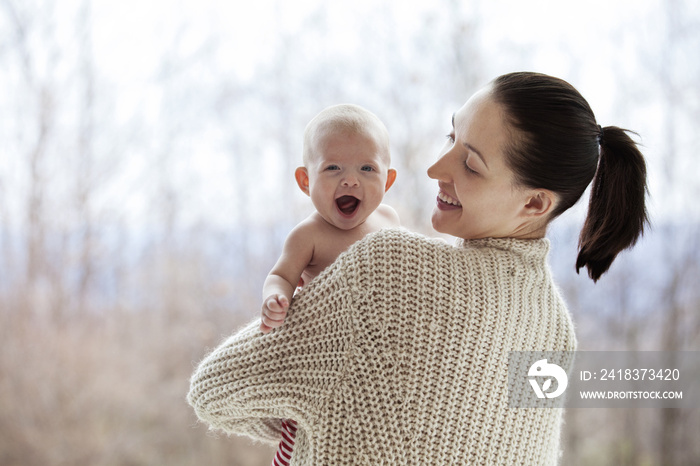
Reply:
x=284, y=450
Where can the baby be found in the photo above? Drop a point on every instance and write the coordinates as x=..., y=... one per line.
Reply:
x=346, y=173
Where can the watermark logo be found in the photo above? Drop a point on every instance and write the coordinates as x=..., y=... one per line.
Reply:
x=603, y=379
x=551, y=371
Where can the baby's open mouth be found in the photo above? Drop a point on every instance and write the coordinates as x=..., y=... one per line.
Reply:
x=347, y=204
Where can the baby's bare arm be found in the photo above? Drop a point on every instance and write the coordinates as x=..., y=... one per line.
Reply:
x=282, y=280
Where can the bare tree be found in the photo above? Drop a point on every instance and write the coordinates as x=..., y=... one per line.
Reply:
x=25, y=27
x=679, y=35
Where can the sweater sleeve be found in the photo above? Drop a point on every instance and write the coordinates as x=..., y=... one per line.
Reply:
x=253, y=380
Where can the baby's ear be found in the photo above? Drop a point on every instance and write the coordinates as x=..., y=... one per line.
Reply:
x=302, y=178
x=390, y=178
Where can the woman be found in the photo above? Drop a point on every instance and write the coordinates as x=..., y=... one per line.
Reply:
x=398, y=352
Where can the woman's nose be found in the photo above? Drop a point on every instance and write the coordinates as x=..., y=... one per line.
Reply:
x=437, y=170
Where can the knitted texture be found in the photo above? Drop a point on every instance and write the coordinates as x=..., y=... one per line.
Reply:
x=398, y=354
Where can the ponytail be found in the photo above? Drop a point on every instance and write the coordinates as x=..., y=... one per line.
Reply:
x=559, y=146
x=616, y=210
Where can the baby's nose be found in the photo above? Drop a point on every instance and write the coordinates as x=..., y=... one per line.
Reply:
x=350, y=181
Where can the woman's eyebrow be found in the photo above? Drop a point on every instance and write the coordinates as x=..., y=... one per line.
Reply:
x=453, y=120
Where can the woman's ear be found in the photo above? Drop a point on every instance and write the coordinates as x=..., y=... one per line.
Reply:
x=540, y=203
x=302, y=178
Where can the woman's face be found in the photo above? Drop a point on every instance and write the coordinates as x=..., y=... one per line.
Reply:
x=478, y=196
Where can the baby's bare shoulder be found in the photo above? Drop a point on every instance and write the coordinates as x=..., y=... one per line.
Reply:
x=388, y=216
x=313, y=223
x=307, y=231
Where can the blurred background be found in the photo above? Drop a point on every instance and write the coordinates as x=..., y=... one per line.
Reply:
x=147, y=151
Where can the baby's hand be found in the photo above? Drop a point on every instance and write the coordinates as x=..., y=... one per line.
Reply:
x=274, y=310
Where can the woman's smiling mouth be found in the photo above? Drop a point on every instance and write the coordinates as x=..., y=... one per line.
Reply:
x=445, y=201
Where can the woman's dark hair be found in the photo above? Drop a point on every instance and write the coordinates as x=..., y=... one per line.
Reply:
x=558, y=145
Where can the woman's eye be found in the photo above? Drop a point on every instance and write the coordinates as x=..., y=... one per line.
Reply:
x=450, y=137
x=469, y=169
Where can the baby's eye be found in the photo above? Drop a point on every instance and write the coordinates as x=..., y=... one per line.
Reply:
x=367, y=168
x=332, y=167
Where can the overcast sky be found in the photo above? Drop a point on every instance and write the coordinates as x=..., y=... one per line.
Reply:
x=590, y=43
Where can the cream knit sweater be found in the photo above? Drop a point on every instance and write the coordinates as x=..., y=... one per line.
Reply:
x=397, y=354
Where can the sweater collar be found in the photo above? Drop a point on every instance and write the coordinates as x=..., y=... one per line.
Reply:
x=538, y=248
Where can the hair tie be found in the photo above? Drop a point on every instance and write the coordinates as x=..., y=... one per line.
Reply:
x=601, y=133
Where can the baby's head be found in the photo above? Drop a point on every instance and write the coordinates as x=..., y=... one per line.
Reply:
x=346, y=164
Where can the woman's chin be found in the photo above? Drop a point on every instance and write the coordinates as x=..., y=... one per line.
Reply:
x=439, y=223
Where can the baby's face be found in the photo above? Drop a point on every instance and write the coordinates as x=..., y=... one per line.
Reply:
x=348, y=174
